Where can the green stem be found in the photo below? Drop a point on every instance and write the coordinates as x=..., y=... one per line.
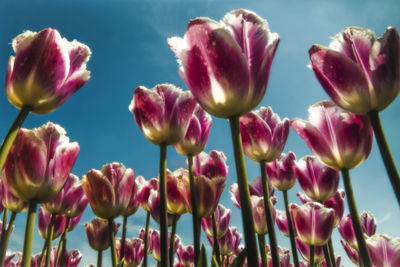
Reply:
x=163, y=206
x=112, y=242
x=6, y=236
x=44, y=249
x=4, y=223
x=146, y=237
x=195, y=216
x=261, y=244
x=362, y=247
x=12, y=133
x=385, y=153
x=268, y=215
x=172, y=240
x=223, y=260
x=291, y=231
x=311, y=256
x=122, y=253
x=332, y=252
x=99, y=258
x=61, y=243
x=50, y=239
x=327, y=256
x=29, y=230
x=244, y=194
x=215, y=236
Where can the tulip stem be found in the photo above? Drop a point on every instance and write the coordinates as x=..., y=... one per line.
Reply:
x=195, y=216
x=50, y=238
x=327, y=256
x=163, y=206
x=100, y=258
x=215, y=236
x=261, y=244
x=362, y=247
x=4, y=223
x=6, y=236
x=311, y=255
x=112, y=242
x=385, y=153
x=12, y=133
x=61, y=247
x=44, y=249
x=122, y=253
x=146, y=237
x=172, y=240
x=29, y=230
x=244, y=194
x=332, y=252
x=268, y=215
x=291, y=231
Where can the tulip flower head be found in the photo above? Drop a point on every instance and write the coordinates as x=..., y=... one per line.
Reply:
x=255, y=188
x=186, y=255
x=134, y=251
x=44, y=223
x=368, y=223
x=135, y=200
x=98, y=235
x=46, y=70
x=228, y=243
x=212, y=54
x=145, y=191
x=154, y=244
x=284, y=257
x=11, y=202
x=163, y=113
x=258, y=210
x=178, y=191
x=351, y=252
x=222, y=218
x=383, y=250
x=280, y=172
x=337, y=204
x=282, y=222
x=339, y=138
x=358, y=71
x=39, y=163
x=304, y=250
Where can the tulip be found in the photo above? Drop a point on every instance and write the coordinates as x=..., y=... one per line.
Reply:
x=10, y=201
x=384, y=251
x=145, y=190
x=177, y=191
x=368, y=223
x=154, y=203
x=210, y=165
x=97, y=234
x=154, y=243
x=222, y=218
x=133, y=251
x=337, y=262
x=255, y=189
x=351, y=253
x=258, y=210
x=305, y=252
x=282, y=222
x=44, y=224
x=228, y=243
x=185, y=255
x=7, y=262
x=284, y=257
x=280, y=172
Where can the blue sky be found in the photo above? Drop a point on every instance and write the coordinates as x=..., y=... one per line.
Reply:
x=128, y=42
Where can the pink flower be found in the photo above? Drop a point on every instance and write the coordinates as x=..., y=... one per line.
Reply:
x=280, y=172
x=318, y=181
x=145, y=190
x=197, y=133
x=282, y=222
x=351, y=252
x=178, y=191
x=134, y=251
x=258, y=210
x=304, y=250
x=228, y=243
x=368, y=223
x=284, y=257
x=255, y=188
x=109, y=190
x=337, y=204
x=359, y=72
x=46, y=70
x=135, y=200
x=212, y=54
x=186, y=255
x=339, y=138
x=222, y=218
x=11, y=202
x=154, y=205
x=263, y=134
x=98, y=235
x=39, y=162
x=154, y=244
x=163, y=113
x=383, y=250
x=44, y=223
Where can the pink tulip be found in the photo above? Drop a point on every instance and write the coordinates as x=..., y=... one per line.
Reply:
x=70, y=201
x=71, y=258
x=263, y=134
x=134, y=251
x=255, y=188
x=11, y=202
x=304, y=250
x=134, y=201
x=337, y=204
x=98, y=235
x=359, y=72
x=210, y=165
x=197, y=133
x=73, y=222
x=351, y=252
x=154, y=205
x=339, y=138
x=258, y=210
x=222, y=218
x=44, y=223
x=186, y=255
x=282, y=222
x=144, y=193
x=178, y=191
x=337, y=262
x=8, y=259
x=228, y=243
x=368, y=223
x=280, y=172
x=154, y=244
x=109, y=190
x=318, y=181
x=313, y=222
x=383, y=250
x=212, y=54
x=39, y=162
x=163, y=113
x=284, y=257
x=46, y=70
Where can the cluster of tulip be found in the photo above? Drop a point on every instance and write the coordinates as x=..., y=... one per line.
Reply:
x=226, y=67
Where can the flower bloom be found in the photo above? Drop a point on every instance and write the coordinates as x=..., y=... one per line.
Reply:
x=212, y=54
x=351, y=252
x=154, y=208
x=318, y=181
x=97, y=234
x=368, y=223
x=135, y=200
x=280, y=172
x=197, y=133
x=282, y=222
x=44, y=223
x=134, y=251
x=383, y=250
x=222, y=218
x=313, y=222
x=284, y=257
x=339, y=138
x=46, y=70
x=258, y=210
x=228, y=243
x=145, y=191
x=163, y=113
x=109, y=190
x=71, y=258
x=11, y=202
x=337, y=204
x=178, y=191
x=39, y=162
x=154, y=244
x=263, y=134
x=359, y=72
x=304, y=250
x=255, y=188
x=186, y=255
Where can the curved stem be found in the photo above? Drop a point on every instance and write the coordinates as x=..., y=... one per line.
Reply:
x=99, y=258
x=12, y=133
x=63, y=239
x=146, y=237
x=122, y=253
x=195, y=217
x=244, y=194
x=327, y=256
x=6, y=236
x=268, y=215
x=311, y=256
x=163, y=206
x=215, y=236
x=112, y=242
x=44, y=249
x=362, y=247
x=385, y=153
x=172, y=240
x=29, y=230
x=261, y=245
x=291, y=231
x=50, y=238
x=332, y=252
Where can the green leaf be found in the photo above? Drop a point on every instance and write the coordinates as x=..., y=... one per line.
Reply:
x=239, y=260
x=202, y=262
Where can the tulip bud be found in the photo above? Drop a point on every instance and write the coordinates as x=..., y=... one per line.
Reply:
x=98, y=235
x=368, y=223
